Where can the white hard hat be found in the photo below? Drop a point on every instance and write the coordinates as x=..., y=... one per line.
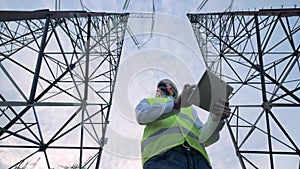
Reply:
x=168, y=87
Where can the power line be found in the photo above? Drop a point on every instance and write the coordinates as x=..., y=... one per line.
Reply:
x=201, y=5
x=84, y=7
x=57, y=5
x=125, y=6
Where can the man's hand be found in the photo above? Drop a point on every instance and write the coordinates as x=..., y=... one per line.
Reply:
x=220, y=111
x=185, y=94
x=182, y=100
x=177, y=103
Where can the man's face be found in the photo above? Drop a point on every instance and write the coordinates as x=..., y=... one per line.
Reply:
x=165, y=89
x=160, y=93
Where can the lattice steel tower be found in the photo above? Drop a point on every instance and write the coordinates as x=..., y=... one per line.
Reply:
x=57, y=71
x=257, y=52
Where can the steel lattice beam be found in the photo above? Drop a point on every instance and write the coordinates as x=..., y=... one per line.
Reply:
x=257, y=52
x=58, y=71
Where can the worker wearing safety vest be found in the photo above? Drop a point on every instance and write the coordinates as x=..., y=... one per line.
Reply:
x=174, y=136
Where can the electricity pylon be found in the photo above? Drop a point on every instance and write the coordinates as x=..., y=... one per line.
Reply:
x=57, y=71
x=257, y=52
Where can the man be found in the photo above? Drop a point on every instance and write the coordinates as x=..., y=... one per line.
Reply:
x=174, y=136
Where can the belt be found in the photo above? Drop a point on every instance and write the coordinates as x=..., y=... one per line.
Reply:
x=186, y=146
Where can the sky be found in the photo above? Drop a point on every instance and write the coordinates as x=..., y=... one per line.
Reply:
x=140, y=68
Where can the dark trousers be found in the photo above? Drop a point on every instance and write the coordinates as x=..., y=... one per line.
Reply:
x=178, y=158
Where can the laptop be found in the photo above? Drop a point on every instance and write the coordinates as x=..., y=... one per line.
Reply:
x=209, y=90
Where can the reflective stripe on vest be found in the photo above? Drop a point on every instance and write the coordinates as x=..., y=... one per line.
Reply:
x=164, y=134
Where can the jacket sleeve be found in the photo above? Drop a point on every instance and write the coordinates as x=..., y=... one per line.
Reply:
x=209, y=132
x=146, y=113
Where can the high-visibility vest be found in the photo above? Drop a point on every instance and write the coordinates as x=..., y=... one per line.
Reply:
x=161, y=135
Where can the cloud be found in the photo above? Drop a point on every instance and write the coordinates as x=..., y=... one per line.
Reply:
x=3, y=165
x=173, y=39
x=222, y=153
